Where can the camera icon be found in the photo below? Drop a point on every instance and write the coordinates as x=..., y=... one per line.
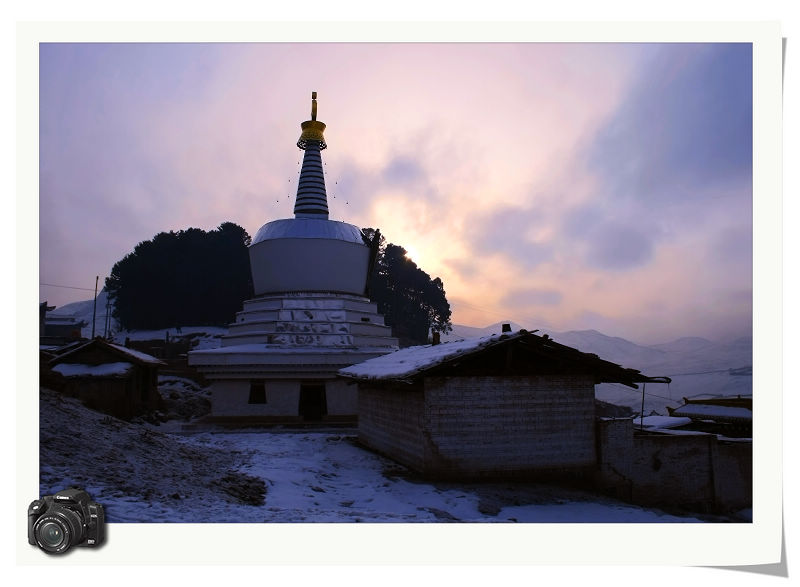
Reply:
x=65, y=519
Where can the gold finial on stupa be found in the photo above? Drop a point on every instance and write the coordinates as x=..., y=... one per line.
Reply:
x=313, y=105
x=312, y=129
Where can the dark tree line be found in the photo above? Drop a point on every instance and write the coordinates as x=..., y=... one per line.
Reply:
x=198, y=278
x=411, y=302
x=189, y=277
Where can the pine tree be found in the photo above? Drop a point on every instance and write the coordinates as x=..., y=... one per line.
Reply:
x=411, y=302
x=189, y=277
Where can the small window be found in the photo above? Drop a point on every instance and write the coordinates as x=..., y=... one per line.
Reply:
x=258, y=393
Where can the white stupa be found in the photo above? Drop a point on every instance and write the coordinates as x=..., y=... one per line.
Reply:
x=311, y=315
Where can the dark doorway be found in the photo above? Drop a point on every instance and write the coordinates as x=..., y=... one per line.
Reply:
x=313, y=403
x=258, y=393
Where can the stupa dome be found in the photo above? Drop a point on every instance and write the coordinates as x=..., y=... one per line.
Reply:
x=308, y=228
x=310, y=253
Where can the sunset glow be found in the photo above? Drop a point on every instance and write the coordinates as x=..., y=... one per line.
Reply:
x=562, y=186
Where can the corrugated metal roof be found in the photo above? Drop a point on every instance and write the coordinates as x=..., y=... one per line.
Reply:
x=308, y=228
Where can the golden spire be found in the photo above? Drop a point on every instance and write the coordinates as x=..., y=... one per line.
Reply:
x=311, y=200
x=313, y=105
x=312, y=129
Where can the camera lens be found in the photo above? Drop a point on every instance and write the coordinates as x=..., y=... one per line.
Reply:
x=52, y=534
x=57, y=530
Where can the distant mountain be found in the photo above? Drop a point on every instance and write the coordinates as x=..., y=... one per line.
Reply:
x=698, y=367
x=694, y=343
x=610, y=348
x=684, y=355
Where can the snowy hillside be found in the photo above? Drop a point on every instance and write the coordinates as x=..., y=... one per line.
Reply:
x=83, y=311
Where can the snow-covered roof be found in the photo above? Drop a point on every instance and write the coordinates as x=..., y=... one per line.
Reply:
x=62, y=319
x=661, y=422
x=124, y=352
x=714, y=412
x=409, y=361
x=143, y=357
x=412, y=361
x=103, y=370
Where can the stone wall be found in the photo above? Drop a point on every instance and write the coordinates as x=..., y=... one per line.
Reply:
x=694, y=471
x=733, y=475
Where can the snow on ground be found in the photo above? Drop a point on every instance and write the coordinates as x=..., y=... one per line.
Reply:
x=323, y=477
x=145, y=473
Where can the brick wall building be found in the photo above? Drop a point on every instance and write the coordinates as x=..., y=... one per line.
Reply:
x=505, y=405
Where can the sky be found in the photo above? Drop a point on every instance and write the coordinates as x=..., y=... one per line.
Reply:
x=563, y=186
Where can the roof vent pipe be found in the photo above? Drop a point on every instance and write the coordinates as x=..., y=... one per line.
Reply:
x=506, y=327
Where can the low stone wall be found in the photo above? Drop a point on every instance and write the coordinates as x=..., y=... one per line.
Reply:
x=733, y=475
x=694, y=471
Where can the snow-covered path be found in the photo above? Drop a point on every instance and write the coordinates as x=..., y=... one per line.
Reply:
x=327, y=477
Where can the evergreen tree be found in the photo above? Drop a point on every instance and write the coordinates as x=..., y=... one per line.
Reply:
x=189, y=277
x=412, y=303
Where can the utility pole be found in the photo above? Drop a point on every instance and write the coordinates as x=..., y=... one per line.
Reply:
x=108, y=318
x=94, y=312
x=641, y=417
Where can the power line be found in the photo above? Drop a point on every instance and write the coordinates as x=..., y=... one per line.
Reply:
x=698, y=373
x=67, y=286
x=637, y=392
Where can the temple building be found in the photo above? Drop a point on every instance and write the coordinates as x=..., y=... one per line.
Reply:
x=310, y=317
